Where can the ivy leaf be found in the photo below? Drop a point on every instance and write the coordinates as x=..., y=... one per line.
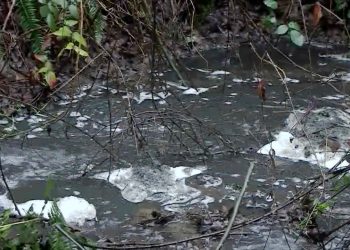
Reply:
x=80, y=51
x=282, y=29
x=69, y=46
x=73, y=10
x=294, y=26
x=63, y=32
x=44, y=11
x=70, y=23
x=43, y=70
x=51, y=22
x=297, y=38
x=53, y=9
x=79, y=38
x=271, y=4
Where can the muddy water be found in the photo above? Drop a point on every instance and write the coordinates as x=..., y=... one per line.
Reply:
x=230, y=105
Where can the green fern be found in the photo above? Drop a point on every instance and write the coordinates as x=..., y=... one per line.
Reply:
x=56, y=240
x=99, y=25
x=30, y=22
x=98, y=19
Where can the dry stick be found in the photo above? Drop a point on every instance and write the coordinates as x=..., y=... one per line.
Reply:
x=8, y=15
x=235, y=210
x=8, y=188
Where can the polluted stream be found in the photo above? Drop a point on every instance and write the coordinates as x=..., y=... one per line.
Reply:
x=166, y=188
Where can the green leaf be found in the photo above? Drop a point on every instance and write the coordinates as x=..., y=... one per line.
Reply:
x=80, y=51
x=79, y=38
x=297, y=38
x=48, y=65
x=53, y=9
x=294, y=26
x=69, y=46
x=63, y=32
x=41, y=58
x=70, y=23
x=62, y=3
x=43, y=70
x=282, y=29
x=348, y=15
x=44, y=11
x=73, y=10
x=271, y=4
x=42, y=1
x=51, y=79
x=51, y=22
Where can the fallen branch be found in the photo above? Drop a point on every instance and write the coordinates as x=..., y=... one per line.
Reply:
x=235, y=210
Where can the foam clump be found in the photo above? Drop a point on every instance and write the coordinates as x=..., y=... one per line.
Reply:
x=319, y=136
x=75, y=210
x=299, y=149
x=162, y=183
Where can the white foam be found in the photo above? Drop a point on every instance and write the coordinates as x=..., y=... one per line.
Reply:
x=193, y=91
x=4, y=122
x=334, y=97
x=75, y=210
x=163, y=184
x=219, y=72
x=74, y=114
x=287, y=146
x=340, y=57
x=143, y=96
x=290, y=80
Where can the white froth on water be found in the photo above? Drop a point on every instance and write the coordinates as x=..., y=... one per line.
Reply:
x=219, y=72
x=287, y=146
x=163, y=184
x=75, y=210
x=340, y=57
x=193, y=91
x=318, y=136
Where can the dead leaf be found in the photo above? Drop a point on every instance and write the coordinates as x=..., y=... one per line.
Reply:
x=316, y=14
x=262, y=90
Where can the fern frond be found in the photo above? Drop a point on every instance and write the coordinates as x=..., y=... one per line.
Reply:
x=28, y=10
x=55, y=215
x=56, y=240
x=98, y=26
x=98, y=19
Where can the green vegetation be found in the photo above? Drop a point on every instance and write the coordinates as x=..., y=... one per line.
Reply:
x=66, y=23
x=33, y=232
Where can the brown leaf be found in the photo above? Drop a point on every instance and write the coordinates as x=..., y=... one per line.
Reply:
x=316, y=14
x=262, y=90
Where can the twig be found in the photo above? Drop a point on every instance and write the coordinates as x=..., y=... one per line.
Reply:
x=8, y=188
x=8, y=15
x=235, y=210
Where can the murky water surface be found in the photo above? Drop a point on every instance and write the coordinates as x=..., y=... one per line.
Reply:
x=229, y=109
